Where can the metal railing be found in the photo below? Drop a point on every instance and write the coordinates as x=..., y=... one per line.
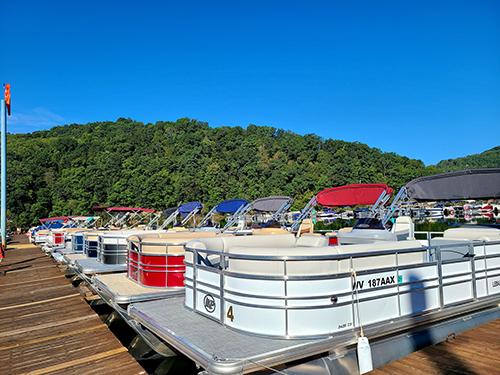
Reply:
x=444, y=277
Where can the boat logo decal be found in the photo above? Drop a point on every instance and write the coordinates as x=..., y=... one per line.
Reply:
x=209, y=303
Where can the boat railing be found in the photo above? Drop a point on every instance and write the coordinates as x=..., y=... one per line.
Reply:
x=291, y=302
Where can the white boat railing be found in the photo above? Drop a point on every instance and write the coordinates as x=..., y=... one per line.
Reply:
x=292, y=302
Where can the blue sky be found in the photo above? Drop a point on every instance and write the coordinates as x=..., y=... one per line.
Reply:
x=420, y=78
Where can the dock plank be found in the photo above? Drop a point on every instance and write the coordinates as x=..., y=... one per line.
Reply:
x=47, y=327
x=471, y=352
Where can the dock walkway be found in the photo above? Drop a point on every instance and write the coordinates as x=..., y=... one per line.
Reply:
x=46, y=326
x=475, y=351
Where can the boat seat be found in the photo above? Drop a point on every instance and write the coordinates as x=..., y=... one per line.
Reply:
x=157, y=243
x=223, y=244
x=403, y=228
x=473, y=234
x=268, y=231
x=309, y=240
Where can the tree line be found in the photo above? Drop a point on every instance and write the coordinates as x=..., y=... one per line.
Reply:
x=69, y=169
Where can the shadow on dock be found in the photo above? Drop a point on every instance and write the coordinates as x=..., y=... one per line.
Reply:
x=445, y=362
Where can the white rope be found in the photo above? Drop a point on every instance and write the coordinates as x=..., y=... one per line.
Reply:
x=266, y=367
x=353, y=272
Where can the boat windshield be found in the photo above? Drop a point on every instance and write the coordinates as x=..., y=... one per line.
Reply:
x=369, y=223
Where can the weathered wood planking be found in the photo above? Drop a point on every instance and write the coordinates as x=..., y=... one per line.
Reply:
x=46, y=327
x=472, y=352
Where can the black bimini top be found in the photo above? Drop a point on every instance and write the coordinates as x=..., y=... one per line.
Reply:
x=461, y=185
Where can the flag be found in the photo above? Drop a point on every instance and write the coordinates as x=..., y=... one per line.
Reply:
x=7, y=97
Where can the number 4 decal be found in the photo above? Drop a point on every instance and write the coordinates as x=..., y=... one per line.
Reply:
x=230, y=314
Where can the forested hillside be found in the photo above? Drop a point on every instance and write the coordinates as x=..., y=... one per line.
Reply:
x=486, y=159
x=67, y=170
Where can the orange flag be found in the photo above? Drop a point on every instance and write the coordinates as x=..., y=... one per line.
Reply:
x=7, y=97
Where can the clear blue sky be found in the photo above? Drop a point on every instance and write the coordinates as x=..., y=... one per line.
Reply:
x=420, y=78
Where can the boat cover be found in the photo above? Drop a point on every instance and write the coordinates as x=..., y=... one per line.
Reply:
x=230, y=206
x=351, y=195
x=186, y=208
x=467, y=184
x=130, y=209
x=270, y=204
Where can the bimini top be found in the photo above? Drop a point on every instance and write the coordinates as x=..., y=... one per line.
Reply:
x=351, y=195
x=186, y=208
x=169, y=211
x=230, y=206
x=467, y=184
x=270, y=204
x=130, y=209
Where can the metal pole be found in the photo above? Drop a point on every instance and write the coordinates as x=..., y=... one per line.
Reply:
x=3, y=182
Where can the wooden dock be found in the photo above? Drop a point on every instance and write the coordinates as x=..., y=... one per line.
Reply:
x=46, y=326
x=472, y=352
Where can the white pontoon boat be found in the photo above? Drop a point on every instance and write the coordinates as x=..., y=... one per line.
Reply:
x=254, y=303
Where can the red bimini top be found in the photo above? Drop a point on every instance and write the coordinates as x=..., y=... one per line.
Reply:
x=351, y=195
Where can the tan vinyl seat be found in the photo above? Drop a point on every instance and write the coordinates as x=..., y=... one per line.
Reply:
x=288, y=245
x=473, y=234
x=158, y=243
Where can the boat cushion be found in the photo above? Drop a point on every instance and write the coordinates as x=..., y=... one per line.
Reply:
x=473, y=234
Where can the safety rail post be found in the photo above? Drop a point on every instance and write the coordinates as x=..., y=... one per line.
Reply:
x=440, y=277
x=285, y=277
x=353, y=285
x=397, y=281
x=473, y=269
x=486, y=269
x=221, y=289
x=195, y=268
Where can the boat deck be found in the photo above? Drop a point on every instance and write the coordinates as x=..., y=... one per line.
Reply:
x=472, y=352
x=46, y=327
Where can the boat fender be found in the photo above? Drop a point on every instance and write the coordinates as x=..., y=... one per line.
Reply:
x=365, y=362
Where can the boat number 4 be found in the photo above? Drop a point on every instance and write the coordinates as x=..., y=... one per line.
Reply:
x=230, y=314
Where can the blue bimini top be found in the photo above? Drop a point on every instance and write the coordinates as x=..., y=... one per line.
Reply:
x=186, y=208
x=230, y=206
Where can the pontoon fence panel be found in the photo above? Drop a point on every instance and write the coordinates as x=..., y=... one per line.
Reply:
x=271, y=322
x=77, y=243
x=155, y=264
x=112, y=249
x=91, y=244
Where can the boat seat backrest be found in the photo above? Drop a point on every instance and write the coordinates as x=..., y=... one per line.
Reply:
x=311, y=240
x=277, y=268
x=380, y=261
x=324, y=267
x=473, y=234
x=224, y=243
